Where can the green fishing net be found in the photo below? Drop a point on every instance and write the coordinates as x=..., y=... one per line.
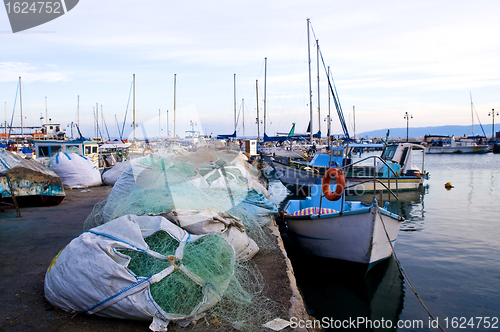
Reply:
x=177, y=293
x=204, y=179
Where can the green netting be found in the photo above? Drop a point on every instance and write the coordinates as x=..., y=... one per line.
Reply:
x=210, y=258
x=206, y=179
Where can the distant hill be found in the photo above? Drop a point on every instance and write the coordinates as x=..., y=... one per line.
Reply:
x=438, y=130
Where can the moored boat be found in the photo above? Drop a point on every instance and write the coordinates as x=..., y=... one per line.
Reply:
x=33, y=183
x=346, y=230
x=298, y=177
x=451, y=145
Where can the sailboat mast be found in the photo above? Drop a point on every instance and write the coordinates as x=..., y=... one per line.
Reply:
x=472, y=113
x=265, y=94
x=317, y=64
x=175, y=85
x=234, y=90
x=329, y=117
x=243, y=110
x=97, y=120
x=46, y=113
x=21, y=106
x=78, y=111
x=133, y=107
x=354, y=120
x=159, y=124
x=310, y=87
x=258, y=120
x=5, y=120
x=102, y=125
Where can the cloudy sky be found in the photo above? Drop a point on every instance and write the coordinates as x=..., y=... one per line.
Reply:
x=387, y=58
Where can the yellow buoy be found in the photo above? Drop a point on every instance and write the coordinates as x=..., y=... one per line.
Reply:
x=448, y=185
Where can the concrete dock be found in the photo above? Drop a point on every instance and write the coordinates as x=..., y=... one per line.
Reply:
x=28, y=245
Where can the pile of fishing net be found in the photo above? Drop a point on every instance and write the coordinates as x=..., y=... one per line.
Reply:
x=141, y=267
x=213, y=196
x=208, y=179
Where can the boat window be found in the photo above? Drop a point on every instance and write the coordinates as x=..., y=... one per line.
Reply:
x=88, y=150
x=72, y=147
x=337, y=153
x=94, y=149
x=389, y=152
x=43, y=151
x=403, y=157
x=54, y=150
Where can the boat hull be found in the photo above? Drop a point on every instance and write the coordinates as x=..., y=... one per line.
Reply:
x=458, y=149
x=33, y=184
x=357, y=236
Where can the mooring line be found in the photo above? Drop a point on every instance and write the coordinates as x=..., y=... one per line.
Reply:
x=400, y=267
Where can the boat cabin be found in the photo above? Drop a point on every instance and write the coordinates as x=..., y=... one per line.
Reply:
x=402, y=156
x=48, y=148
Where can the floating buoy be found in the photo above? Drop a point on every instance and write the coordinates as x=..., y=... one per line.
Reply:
x=448, y=185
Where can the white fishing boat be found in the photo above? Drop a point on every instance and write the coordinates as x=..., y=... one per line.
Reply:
x=402, y=158
x=346, y=230
x=451, y=145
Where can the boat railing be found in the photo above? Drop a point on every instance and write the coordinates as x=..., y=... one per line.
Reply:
x=375, y=179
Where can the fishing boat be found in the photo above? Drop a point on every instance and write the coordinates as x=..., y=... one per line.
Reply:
x=449, y=144
x=326, y=225
x=298, y=176
x=33, y=183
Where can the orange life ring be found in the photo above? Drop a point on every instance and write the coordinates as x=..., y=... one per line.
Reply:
x=325, y=184
x=147, y=149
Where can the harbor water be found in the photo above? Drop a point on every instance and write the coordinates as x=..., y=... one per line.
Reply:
x=448, y=245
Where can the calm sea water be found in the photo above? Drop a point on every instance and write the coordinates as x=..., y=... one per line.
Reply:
x=449, y=246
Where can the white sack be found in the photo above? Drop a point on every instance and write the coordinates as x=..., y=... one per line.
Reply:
x=111, y=176
x=75, y=171
x=90, y=276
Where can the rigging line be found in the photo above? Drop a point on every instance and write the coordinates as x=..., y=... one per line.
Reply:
x=13, y=110
x=106, y=127
x=334, y=92
x=480, y=124
x=405, y=275
x=126, y=110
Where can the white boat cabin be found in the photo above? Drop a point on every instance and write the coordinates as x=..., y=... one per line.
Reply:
x=48, y=148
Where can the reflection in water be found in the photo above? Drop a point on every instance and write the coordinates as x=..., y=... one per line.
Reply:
x=338, y=290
